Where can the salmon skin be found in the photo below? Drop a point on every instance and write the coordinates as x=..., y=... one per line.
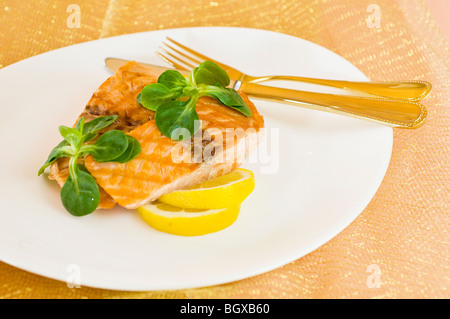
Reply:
x=164, y=165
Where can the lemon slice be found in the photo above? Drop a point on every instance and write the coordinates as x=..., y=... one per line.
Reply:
x=185, y=221
x=225, y=191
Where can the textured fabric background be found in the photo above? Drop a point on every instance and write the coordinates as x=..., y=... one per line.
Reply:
x=405, y=228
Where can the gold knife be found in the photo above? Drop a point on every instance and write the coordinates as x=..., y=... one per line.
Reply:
x=395, y=113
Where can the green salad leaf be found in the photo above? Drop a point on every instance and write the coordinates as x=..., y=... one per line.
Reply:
x=209, y=73
x=133, y=150
x=229, y=97
x=156, y=94
x=174, y=98
x=98, y=123
x=177, y=118
x=63, y=149
x=172, y=79
x=109, y=146
x=80, y=193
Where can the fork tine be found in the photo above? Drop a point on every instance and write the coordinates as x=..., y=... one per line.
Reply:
x=173, y=59
x=193, y=59
x=172, y=62
x=182, y=60
x=198, y=55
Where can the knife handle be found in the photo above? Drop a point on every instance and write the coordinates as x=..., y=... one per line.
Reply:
x=395, y=113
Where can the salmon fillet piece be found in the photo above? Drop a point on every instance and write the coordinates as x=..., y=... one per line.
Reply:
x=224, y=142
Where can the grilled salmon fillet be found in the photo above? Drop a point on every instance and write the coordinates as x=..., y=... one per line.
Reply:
x=225, y=140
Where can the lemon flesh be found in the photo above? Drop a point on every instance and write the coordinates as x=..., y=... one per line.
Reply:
x=225, y=191
x=187, y=222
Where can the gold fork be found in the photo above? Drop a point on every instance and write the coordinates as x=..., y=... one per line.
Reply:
x=410, y=90
x=396, y=112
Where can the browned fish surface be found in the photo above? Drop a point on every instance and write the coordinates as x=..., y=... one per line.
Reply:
x=164, y=165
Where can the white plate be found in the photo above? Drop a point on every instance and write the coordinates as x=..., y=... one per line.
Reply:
x=329, y=167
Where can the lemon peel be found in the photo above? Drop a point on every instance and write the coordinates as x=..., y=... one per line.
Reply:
x=185, y=221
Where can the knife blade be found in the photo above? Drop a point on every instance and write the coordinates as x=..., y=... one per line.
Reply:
x=113, y=64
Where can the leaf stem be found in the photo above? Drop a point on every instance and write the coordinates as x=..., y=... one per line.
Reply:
x=73, y=162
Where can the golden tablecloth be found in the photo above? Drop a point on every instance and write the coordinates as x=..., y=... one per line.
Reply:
x=404, y=229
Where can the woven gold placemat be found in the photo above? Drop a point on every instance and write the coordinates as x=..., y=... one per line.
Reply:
x=402, y=235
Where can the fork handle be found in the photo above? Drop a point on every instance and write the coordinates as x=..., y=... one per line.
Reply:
x=396, y=113
x=410, y=90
